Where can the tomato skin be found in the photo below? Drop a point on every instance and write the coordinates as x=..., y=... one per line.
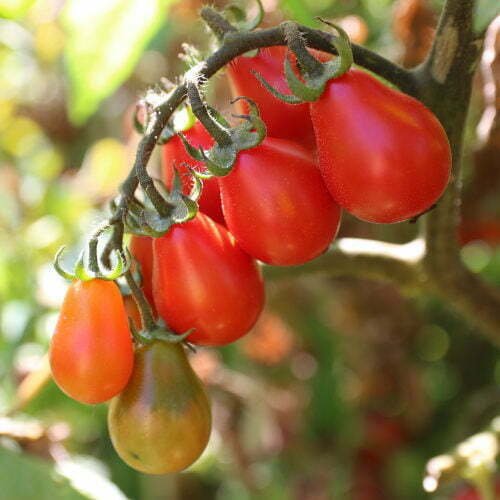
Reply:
x=384, y=156
x=174, y=154
x=141, y=247
x=276, y=204
x=161, y=422
x=203, y=280
x=285, y=121
x=91, y=353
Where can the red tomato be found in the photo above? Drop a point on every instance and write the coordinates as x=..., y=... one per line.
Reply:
x=384, y=156
x=91, y=354
x=286, y=121
x=174, y=154
x=203, y=280
x=141, y=247
x=276, y=204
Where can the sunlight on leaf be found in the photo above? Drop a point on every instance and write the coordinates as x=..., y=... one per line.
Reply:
x=105, y=41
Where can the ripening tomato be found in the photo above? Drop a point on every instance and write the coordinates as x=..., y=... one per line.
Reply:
x=384, y=156
x=91, y=353
x=174, y=154
x=161, y=422
x=141, y=247
x=203, y=280
x=285, y=121
x=276, y=204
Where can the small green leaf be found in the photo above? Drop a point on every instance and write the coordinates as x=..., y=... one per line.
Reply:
x=104, y=42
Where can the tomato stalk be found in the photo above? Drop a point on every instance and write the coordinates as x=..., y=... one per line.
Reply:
x=296, y=44
x=140, y=299
x=229, y=141
x=200, y=110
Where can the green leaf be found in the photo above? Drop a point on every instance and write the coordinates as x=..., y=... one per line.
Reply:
x=24, y=477
x=486, y=11
x=104, y=42
x=15, y=9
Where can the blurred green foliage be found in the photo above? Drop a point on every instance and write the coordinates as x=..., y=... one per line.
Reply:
x=359, y=363
x=104, y=41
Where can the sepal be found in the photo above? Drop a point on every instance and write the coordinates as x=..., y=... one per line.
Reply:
x=308, y=87
x=84, y=271
x=142, y=218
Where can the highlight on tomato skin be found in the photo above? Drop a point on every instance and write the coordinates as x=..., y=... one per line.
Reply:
x=276, y=204
x=203, y=280
x=384, y=156
x=91, y=352
x=161, y=422
x=285, y=121
x=174, y=154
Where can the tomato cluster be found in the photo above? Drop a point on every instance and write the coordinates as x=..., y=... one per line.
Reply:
x=362, y=147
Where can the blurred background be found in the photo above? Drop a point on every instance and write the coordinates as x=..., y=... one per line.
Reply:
x=345, y=388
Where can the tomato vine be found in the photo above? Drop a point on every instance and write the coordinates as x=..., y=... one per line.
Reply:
x=442, y=83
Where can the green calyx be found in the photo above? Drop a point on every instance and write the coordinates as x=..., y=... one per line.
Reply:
x=89, y=264
x=144, y=220
x=159, y=332
x=229, y=141
x=314, y=74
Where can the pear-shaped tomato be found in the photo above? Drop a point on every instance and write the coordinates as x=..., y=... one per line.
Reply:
x=141, y=247
x=203, y=280
x=161, y=422
x=384, y=156
x=91, y=353
x=276, y=204
x=174, y=154
x=286, y=121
